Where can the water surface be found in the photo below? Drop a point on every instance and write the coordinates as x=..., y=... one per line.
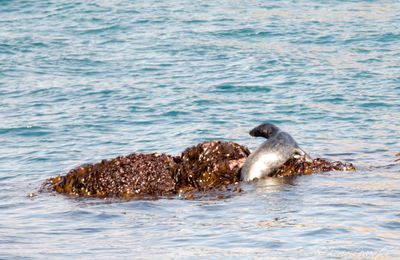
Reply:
x=80, y=82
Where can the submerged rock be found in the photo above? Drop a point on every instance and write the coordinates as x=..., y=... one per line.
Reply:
x=213, y=165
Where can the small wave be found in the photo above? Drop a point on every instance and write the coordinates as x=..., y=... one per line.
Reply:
x=375, y=104
x=228, y=88
x=244, y=32
x=103, y=29
x=174, y=113
x=28, y=131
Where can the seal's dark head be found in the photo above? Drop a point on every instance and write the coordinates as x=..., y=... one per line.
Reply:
x=266, y=130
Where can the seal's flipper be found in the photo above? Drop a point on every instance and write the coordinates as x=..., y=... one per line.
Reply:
x=265, y=130
x=299, y=153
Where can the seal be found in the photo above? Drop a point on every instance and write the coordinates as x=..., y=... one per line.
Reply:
x=272, y=154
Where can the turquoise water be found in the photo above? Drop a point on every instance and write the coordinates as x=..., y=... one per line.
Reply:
x=81, y=82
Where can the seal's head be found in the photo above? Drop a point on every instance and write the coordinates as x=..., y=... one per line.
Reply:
x=266, y=130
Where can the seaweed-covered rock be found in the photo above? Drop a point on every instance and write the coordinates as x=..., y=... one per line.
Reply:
x=210, y=165
x=205, y=166
x=294, y=167
x=124, y=177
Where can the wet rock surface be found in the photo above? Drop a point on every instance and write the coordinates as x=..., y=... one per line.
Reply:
x=208, y=166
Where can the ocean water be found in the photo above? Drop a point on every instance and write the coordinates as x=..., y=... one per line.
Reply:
x=80, y=82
